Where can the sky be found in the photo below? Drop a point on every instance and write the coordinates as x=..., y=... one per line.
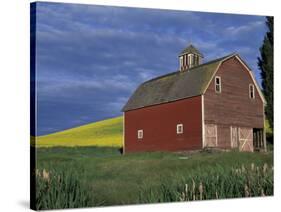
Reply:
x=90, y=59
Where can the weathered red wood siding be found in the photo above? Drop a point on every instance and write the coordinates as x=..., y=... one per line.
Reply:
x=232, y=106
x=159, y=126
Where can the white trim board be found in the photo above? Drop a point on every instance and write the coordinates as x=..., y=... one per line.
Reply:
x=123, y=133
x=203, y=120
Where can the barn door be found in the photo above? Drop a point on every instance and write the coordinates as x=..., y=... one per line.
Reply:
x=210, y=135
x=246, y=139
x=234, y=136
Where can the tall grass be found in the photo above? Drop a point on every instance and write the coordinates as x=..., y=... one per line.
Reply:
x=103, y=177
x=56, y=189
x=216, y=183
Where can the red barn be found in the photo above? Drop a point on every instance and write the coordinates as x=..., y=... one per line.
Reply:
x=215, y=104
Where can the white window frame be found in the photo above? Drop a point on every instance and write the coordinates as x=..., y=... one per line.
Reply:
x=219, y=84
x=179, y=126
x=140, y=134
x=250, y=91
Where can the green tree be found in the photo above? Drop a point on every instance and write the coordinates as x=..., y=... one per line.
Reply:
x=265, y=63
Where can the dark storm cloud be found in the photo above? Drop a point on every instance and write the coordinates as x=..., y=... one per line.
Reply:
x=91, y=58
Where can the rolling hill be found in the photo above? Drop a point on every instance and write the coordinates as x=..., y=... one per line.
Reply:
x=108, y=133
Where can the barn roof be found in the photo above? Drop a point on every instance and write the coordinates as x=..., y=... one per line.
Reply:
x=174, y=86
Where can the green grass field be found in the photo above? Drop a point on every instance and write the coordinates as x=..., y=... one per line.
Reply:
x=83, y=167
x=112, y=179
x=107, y=133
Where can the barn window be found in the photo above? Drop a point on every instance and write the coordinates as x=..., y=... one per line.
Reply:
x=179, y=128
x=251, y=91
x=218, y=84
x=140, y=134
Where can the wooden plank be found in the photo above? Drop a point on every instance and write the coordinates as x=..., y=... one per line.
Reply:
x=246, y=139
x=211, y=135
x=234, y=137
x=203, y=121
x=223, y=136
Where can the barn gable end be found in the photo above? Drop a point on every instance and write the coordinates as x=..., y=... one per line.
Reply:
x=232, y=109
x=246, y=67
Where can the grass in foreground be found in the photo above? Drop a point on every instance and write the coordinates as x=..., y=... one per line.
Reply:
x=113, y=179
x=107, y=133
x=61, y=189
x=244, y=181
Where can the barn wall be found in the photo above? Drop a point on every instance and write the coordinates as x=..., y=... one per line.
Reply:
x=224, y=136
x=232, y=106
x=159, y=126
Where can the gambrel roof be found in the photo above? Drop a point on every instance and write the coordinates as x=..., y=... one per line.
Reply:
x=177, y=85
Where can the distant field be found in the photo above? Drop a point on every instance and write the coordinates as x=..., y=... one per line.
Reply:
x=107, y=133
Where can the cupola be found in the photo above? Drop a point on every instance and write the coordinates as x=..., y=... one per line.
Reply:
x=189, y=58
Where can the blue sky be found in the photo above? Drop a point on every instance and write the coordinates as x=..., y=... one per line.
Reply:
x=90, y=58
